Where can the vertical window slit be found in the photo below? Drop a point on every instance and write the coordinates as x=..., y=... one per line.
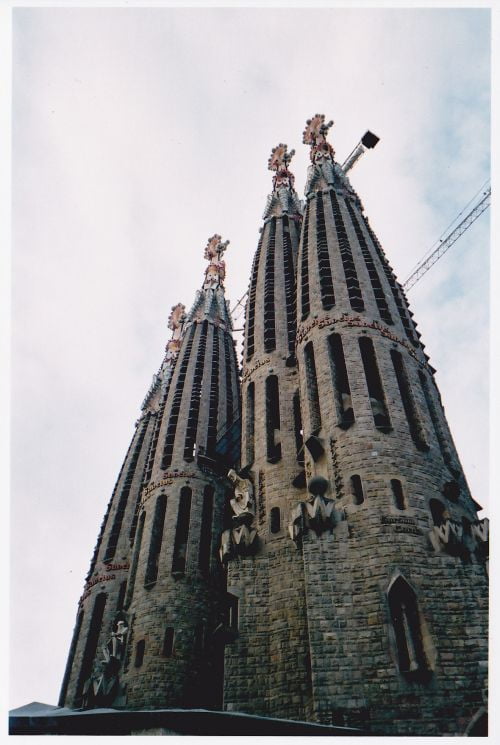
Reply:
x=176, y=401
x=275, y=520
x=250, y=423
x=407, y=628
x=135, y=560
x=351, y=276
x=358, y=496
x=122, y=503
x=206, y=529
x=377, y=288
x=269, y=309
x=324, y=268
x=250, y=335
x=194, y=404
x=304, y=268
x=91, y=644
x=289, y=275
x=408, y=401
x=340, y=381
x=140, y=648
x=445, y=452
x=312, y=388
x=168, y=642
x=273, y=424
x=182, y=531
x=298, y=430
x=374, y=384
x=398, y=494
x=228, y=344
x=71, y=657
x=156, y=541
x=213, y=401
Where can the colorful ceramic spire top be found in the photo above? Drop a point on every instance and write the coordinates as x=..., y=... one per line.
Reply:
x=315, y=135
x=175, y=323
x=279, y=161
x=216, y=270
x=284, y=199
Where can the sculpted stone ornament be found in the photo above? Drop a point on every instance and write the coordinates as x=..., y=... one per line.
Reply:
x=317, y=513
x=448, y=537
x=103, y=688
x=284, y=198
x=216, y=270
x=480, y=533
x=324, y=171
x=241, y=538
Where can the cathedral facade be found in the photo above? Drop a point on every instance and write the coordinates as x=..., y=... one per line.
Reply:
x=333, y=568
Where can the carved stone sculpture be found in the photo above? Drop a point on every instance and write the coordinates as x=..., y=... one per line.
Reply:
x=317, y=513
x=103, y=687
x=241, y=538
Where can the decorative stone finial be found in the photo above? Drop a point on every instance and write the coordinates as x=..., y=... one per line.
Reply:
x=278, y=162
x=176, y=319
x=216, y=270
x=315, y=135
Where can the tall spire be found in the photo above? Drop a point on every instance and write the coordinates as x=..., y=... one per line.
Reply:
x=210, y=302
x=284, y=198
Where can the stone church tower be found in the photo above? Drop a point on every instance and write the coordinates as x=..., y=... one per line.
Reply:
x=155, y=591
x=338, y=572
x=365, y=600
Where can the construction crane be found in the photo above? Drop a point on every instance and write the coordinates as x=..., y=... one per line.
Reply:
x=445, y=243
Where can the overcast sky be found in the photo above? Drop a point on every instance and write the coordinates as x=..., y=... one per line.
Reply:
x=137, y=134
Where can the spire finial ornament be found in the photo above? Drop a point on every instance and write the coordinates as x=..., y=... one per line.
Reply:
x=279, y=161
x=315, y=135
x=216, y=270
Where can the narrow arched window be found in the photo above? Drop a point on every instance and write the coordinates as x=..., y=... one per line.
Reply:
x=156, y=541
x=298, y=430
x=358, y=496
x=232, y=613
x=140, y=648
x=374, y=385
x=199, y=638
x=91, y=644
x=438, y=510
x=340, y=381
x=312, y=388
x=250, y=423
x=135, y=560
x=407, y=628
x=275, y=520
x=168, y=642
x=182, y=531
x=398, y=494
x=206, y=529
x=273, y=423
x=412, y=415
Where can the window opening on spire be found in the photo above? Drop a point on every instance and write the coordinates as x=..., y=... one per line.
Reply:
x=135, y=560
x=250, y=423
x=176, y=401
x=445, y=453
x=374, y=384
x=269, y=310
x=398, y=494
x=206, y=529
x=194, y=404
x=377, y=288
x=275, y=520
x=228, y=352
x=407, y=629
x=298, y=429
x=156, y=541
x=126, y=486
x=351, y=275
x=140, y=648
x=273, y=423
x=358, y=496
x=409, y=406
x=168, y=642
x=312, y=388
x=251, y=301
x=91, y=644
x=121, y=596
x=340, y=381
x=304, y=266
x=182, y=531
x=324, y=268
x=232, y=611
x=289, y=276
x=213, y=401
x=438, y=511
x=71, y=658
